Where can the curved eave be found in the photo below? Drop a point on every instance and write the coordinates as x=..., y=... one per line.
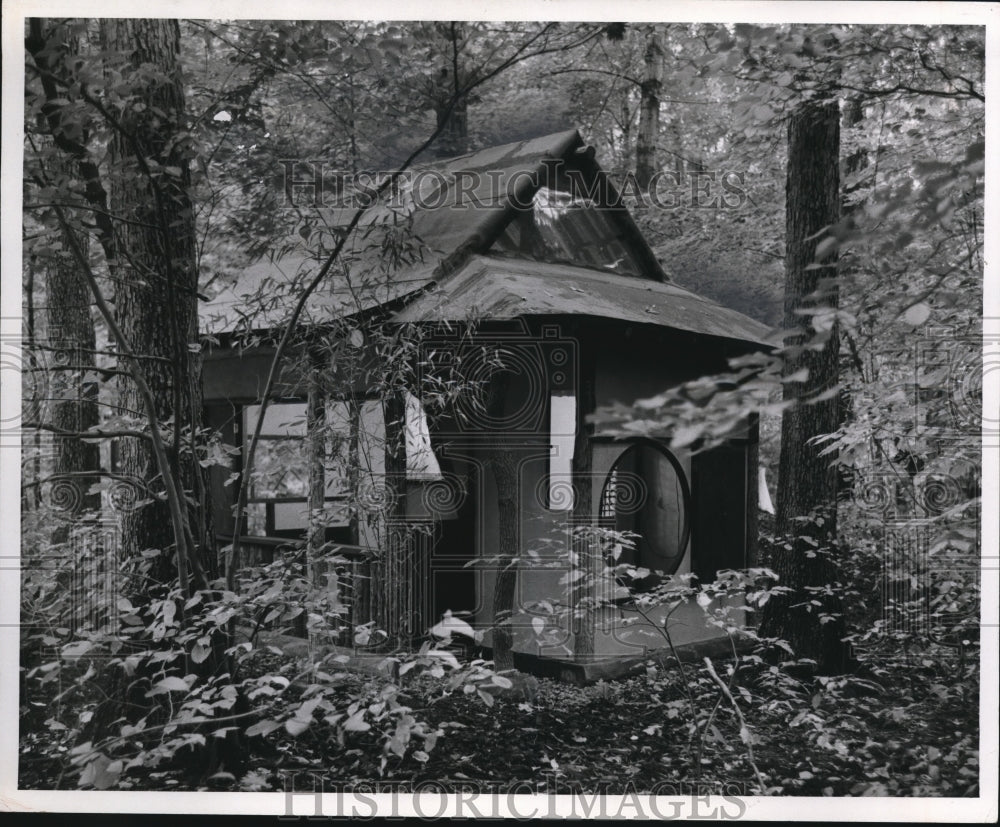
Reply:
x=491, y=287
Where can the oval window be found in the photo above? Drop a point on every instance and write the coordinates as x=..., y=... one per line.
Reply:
x=646, y=492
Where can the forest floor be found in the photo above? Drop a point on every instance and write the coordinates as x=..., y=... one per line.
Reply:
x=910, y=730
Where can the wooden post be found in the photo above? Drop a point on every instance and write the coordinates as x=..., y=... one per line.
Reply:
x=502, y=460
x=752, y=483
x=316, y=437
x=390, y=575
x=505, y=590
x=589, y=554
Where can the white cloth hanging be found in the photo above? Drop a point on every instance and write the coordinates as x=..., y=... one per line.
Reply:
x=763, y=495
x=421, y=464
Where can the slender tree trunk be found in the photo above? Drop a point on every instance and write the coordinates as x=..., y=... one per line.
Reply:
x=454, y=139
x=625, y=121
x=852, y=115
x=451, y=108
x=155, y=269
x=30, y=495
x=807, y=482
x=649, y=109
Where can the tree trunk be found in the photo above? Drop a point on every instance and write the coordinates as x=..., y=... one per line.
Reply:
x=852, y=115
x=145, y=224
x=73, y=392
x=649, y=109
x=155, y=270
x=807, y=482
x=70, y=327
x=31, y=468
x=451, y=108
x=625, y=124
x=454, y=139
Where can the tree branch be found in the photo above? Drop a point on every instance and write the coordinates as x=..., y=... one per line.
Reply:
x=93, y=433
x=174, y=500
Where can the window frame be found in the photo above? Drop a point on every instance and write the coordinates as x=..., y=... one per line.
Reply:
x=687, y=510
x=348, y=532
x=269, y=503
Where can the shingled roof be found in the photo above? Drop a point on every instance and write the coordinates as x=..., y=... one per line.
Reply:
x=466, y=203
x=495, y=287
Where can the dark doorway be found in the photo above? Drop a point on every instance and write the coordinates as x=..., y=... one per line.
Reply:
x=453, y=585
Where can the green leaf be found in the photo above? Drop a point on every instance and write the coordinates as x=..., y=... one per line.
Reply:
x=685, y=435
x=444, y=655
x=827, y=247
x=200, y=652
x=77, y=648
x=262, y=727
x=170, y=684
x=357, y=723
x=101, y=773
x=296, y=726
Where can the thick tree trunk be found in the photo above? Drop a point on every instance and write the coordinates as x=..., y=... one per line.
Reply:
x=807, y=482
x=69, y=325
x=71, y=328
x=649, y=109
x=155, y=270
x=73, y=408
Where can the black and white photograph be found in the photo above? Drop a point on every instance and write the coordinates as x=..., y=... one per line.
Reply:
x=412, y=415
